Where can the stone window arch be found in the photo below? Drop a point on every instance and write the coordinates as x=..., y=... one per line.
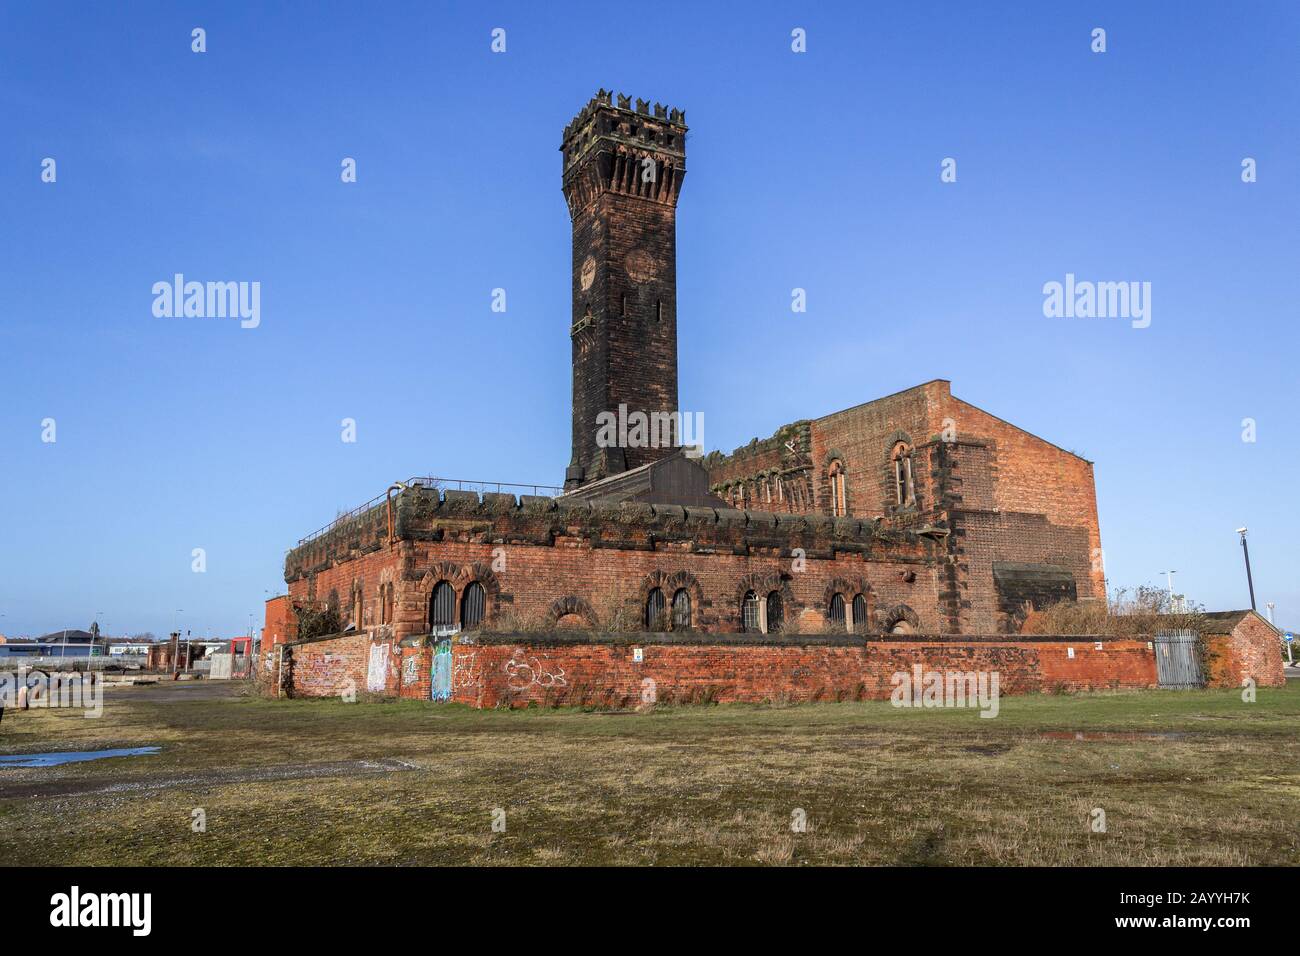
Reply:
x=900, y=619
x=569, y=609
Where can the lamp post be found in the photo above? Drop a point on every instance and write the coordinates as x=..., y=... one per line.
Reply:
x=1246, y=553
x=1169, y=576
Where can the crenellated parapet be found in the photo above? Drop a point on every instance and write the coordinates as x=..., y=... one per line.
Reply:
x=425, y=515
x=612, y=147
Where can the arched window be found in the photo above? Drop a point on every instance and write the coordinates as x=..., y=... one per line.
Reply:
x=837, y=611
x=859, y=610
x=904, y=489
x=681, y=610
x=654, y=611
x=751, y=619
x=442, y=606
x=775, y=613
x=471, y=605
x=836, y=476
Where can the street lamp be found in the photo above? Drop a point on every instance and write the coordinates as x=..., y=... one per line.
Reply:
x=1246, y=552
x=1169, y=576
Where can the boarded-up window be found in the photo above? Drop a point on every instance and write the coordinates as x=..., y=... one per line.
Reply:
x=442, y=606
x=654, y=610
x=471, y=606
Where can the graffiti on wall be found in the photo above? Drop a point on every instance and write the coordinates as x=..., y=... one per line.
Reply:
x=526, y=671
x=377, y=671
x=465, y=673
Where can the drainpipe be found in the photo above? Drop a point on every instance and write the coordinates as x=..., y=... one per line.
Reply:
x=388, y=502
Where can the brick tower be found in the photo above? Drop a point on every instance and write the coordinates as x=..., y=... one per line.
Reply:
x=623, y=169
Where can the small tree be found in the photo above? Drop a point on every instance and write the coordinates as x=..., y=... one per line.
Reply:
x=1142, y=612
x=316, y=621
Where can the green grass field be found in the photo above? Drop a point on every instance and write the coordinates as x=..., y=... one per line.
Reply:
x=1190, y=778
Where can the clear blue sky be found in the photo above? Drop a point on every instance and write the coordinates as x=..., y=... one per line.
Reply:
x=818, y=170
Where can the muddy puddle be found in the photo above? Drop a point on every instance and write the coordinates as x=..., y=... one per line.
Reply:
x=58, y=758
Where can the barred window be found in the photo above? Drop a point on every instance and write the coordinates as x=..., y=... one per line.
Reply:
x=471, y=605
x=859, y=610
x=681, y=610
x=442, y=606
x=654, y=610
x=837, y=611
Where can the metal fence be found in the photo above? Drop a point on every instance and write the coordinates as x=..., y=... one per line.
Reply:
x=1178, y=659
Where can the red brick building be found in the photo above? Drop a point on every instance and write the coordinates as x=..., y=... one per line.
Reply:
x=1016, y=514
x=915, y=514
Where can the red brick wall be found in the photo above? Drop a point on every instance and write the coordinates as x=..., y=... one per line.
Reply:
x=328, y=667
x=552, y=670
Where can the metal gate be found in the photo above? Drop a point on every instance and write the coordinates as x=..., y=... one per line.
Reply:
x=441, y=682
x=1178, y=662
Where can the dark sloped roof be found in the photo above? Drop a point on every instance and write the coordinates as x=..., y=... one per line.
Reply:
x=1225, y=622
x=73, y=636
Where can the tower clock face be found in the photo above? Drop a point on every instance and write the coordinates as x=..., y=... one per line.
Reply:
x=588, y=274
x=640, y=266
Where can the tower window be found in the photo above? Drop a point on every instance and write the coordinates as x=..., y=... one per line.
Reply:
x=904, y=488
x=659, y=310
x=623, y=304
x=838, y=502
